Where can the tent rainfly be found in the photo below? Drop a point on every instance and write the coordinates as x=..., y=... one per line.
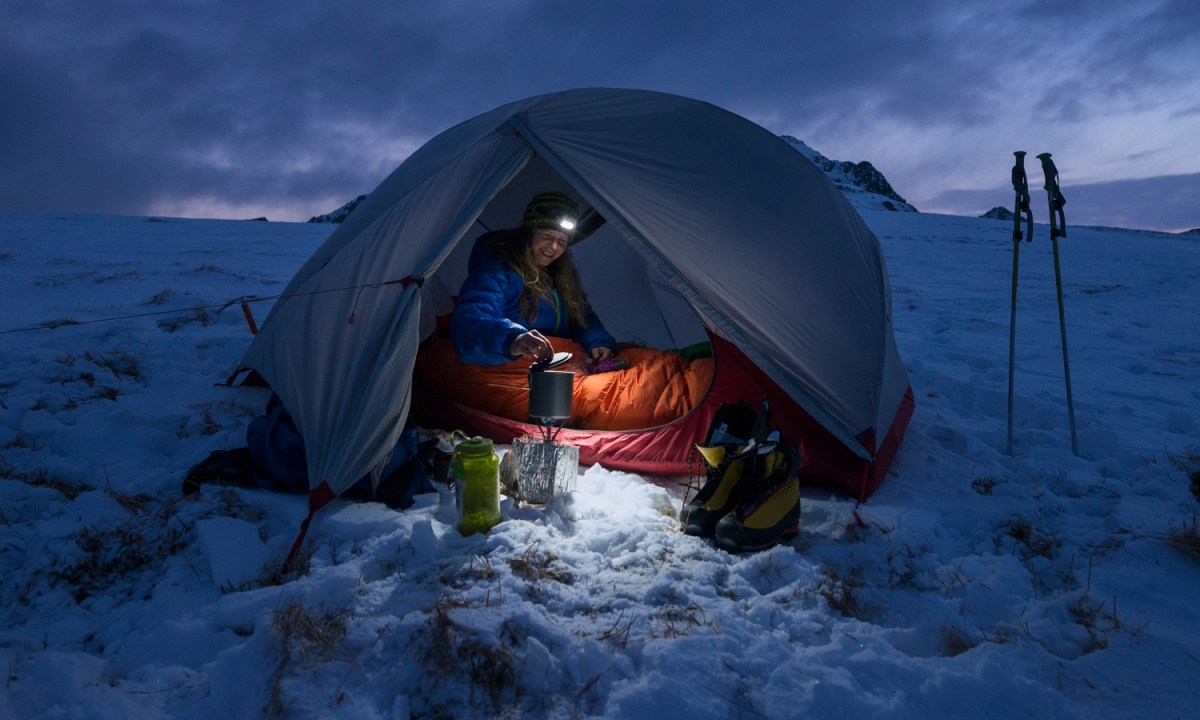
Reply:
x=715, y=230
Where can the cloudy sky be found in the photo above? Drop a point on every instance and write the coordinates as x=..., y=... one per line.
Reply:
x=229, y=108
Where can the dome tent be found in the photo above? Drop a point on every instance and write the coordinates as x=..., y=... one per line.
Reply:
x=715, y=229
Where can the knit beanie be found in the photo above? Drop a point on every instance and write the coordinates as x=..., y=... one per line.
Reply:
x=548, y=209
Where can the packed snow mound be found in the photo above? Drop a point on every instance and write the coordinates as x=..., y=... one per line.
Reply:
x=863, y=185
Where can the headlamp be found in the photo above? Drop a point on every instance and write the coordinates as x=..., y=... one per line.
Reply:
x=566, y=222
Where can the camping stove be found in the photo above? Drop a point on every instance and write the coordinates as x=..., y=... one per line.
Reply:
x=541, y=467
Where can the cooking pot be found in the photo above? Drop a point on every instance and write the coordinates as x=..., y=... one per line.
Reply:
x=550, y=390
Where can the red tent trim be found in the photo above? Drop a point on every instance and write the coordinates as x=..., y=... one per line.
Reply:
x=667, y=449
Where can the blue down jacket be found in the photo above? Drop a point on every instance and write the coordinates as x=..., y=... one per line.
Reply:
x=487, y=314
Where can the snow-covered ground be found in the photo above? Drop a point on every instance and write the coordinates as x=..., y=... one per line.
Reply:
x=973, y=584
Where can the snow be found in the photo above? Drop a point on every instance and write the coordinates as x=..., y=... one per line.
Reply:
x=972, y=584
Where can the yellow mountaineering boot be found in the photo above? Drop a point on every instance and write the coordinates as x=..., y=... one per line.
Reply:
x=771, y=512
x=723, y=468
x=736, y=440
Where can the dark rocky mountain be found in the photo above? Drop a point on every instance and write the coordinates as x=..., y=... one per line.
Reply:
x=863, y=185
x=340, y=214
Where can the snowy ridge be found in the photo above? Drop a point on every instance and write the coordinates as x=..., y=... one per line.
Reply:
x=1002, y=213
x=863, y=185
x=972, y=584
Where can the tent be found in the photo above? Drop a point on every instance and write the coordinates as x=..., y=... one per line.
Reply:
x=715, y=229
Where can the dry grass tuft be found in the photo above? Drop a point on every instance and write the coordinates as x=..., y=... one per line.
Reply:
x=41, y=478
x=955, y=641
x=618, y=632
x=456, y=651
x=108, y=556
x=119, y=363
x=1185, y=538
x=1189, y=462
x=159, y=297
x=534, y=566
x=308, y=636
x=842, y=593
x=198, y=316
x=983, y=486
x=1036, y=542
x=1092, y=617
x=679, y=620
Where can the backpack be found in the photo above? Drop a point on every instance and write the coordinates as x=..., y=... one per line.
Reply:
x=274, y=459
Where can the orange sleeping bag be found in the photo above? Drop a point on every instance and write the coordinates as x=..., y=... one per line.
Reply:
x=656, y=388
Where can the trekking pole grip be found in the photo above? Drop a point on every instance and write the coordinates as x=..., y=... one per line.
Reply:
x=1057, y=201
x=1020, y=183
x=1050, y=171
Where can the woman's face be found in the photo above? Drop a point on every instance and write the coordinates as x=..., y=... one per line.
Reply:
x=547, y=245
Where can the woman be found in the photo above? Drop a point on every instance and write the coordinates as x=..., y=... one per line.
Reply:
x=522, y=301
x=523, y=287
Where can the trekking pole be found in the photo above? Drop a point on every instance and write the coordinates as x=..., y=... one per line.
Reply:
x=1058, y=228
x=1020, y=183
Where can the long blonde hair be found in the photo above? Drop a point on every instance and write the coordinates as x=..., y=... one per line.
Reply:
x=541, y=282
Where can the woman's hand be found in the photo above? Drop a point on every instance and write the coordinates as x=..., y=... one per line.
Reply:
x=532, y=345
x=601, y=353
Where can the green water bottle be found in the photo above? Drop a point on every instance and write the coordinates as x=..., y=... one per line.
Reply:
x=477, y=485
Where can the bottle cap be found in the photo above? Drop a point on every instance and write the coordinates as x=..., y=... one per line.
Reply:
x=475, y=446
